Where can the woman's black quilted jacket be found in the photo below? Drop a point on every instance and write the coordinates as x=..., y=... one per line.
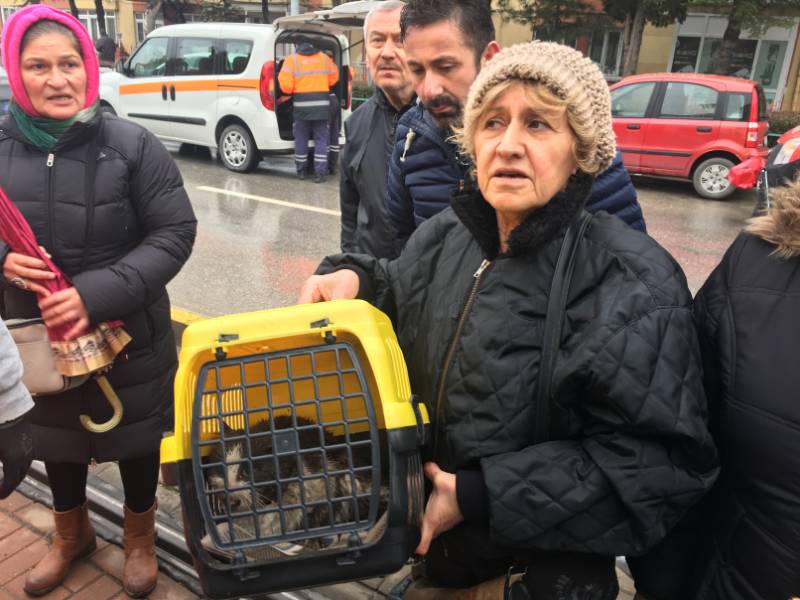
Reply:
x=630, y=451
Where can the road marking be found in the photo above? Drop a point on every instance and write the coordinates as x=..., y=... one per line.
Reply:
x=324, y=211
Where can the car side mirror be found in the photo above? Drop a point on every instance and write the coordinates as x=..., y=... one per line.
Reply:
x=120, y=66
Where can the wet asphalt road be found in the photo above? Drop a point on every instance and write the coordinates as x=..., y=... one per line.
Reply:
x=261, y=234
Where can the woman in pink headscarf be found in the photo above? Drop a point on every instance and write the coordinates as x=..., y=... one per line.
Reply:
x=106, y=201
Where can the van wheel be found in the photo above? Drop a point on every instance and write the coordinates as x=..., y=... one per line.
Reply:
x=237, y=149
x=710, y=178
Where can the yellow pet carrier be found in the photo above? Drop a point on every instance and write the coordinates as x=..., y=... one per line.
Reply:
x=297, y=447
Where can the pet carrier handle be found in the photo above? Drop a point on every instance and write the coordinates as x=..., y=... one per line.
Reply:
x=553, y=322
x=415, y=402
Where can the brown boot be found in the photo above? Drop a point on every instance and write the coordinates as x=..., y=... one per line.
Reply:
x=139, y=541
x=74, y=538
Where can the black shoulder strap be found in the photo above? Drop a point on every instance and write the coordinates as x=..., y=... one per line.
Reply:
x=554, y=319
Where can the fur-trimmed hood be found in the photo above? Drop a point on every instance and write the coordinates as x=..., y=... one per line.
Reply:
x=781, y=225
x=538, y=228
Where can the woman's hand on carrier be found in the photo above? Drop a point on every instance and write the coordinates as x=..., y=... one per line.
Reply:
x=65, y=306
x=24, y=271
x=442, y=512
x=339, y=285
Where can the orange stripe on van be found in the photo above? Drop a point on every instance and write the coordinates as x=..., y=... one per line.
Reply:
x=141, y=88
x=194, y=85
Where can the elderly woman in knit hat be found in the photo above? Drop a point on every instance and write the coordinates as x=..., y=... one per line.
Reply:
x=106, y=201
x=555, y=351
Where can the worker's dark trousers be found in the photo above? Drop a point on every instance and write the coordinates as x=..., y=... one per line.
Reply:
x=335, y=126
x=302, y=133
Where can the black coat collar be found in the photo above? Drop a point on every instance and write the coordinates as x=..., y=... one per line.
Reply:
x=540, y=227
x=383, y=102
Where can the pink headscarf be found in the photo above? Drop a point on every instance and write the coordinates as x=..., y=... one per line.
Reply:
x=13, y=31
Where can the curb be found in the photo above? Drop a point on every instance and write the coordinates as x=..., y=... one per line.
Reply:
x=181, y=319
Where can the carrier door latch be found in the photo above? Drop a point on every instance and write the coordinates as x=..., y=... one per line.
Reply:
x=220, y=351
x=351, y=558
x=330, y=338
x=244, y=574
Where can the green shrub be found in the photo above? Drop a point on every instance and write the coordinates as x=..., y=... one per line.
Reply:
x=782, y=121
x=361, y=93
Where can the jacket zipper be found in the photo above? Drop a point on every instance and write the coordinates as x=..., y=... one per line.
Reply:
x=51, y=159
x=477, y=275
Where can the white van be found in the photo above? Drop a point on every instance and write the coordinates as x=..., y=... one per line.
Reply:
x=213, y=84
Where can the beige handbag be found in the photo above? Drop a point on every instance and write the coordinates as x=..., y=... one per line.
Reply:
x=39, y=373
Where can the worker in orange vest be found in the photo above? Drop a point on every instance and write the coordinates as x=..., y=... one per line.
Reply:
x=308, y=75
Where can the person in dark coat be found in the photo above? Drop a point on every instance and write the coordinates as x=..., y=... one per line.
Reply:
x=446, y=43
x=745, y=538
x=106, y=50
x=107, y=202
x=626, y=451
x=369, y=132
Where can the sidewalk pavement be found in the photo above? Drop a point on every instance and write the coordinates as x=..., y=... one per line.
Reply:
x=25, y=530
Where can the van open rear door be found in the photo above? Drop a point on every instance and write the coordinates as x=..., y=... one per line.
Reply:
x=330, y=31
x=349, y=15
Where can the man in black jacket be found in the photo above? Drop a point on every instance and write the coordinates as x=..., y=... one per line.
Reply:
x=370, y=136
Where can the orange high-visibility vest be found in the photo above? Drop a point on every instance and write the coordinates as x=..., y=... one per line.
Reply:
x=309, y=78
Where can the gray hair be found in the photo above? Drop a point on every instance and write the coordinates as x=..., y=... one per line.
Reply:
x=385, y=6
x=46, y=27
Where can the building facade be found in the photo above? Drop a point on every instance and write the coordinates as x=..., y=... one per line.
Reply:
x=771, y=58
x=125, y=19
x=692, y=46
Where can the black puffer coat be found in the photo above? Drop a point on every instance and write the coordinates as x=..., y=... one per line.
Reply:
x=630, y=451
x=135, y=238
x=747, y=315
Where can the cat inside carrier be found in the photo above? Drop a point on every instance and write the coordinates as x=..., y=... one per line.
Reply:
x=297, y=444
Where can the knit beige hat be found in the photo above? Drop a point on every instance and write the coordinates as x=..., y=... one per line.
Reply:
x=567, y=74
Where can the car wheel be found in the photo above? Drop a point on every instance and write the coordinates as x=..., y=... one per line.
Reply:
x=711, y=178
x=106, y=108
x=237, y=149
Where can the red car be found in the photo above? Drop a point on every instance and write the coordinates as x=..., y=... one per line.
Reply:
x=689, y=126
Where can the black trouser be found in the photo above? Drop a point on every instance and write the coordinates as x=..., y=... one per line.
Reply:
x=139, y=480
x=464, y=556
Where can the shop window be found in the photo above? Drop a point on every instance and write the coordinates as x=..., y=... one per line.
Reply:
x=684, y=59
x=770, y=61
x=741, y=63
x=605, y=50
x=139, y=19
x=89, y=20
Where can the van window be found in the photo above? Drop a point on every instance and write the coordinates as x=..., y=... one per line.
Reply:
x=194, y=56
x=689, y=101
x=738, y=107
x=631, y=100
x=236, y=56
x=151, y=58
